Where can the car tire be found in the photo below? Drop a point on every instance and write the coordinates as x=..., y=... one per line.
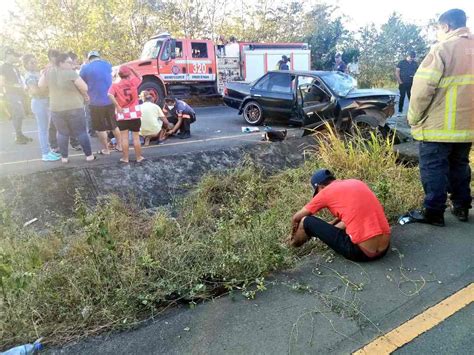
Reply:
x=253, y=113
x=365, y=125
x=156, y=89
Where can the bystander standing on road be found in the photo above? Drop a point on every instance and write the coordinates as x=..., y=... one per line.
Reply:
x=39, y=106
x=283, y=63
x=181, y=115
x=76, y=65
x=339, y=64
x=360, y=230
x=124, y=95
x=12, y=86
x=404, y=72
x=52, y=132
x=154, y=123
x=441, y=114
x=98, y=76
x=67, y=93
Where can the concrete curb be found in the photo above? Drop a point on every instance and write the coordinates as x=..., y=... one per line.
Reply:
x=156, y=182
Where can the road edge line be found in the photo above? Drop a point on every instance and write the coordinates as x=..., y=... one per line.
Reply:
x=428, y=319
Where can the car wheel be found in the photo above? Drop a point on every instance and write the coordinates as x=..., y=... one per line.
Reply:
x=253, y=113
x=155, y=89
x=365, y=125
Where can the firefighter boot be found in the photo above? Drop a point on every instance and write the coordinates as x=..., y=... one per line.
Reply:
x=435, y=218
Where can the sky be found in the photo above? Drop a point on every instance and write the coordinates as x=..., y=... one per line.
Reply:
x=362, y=12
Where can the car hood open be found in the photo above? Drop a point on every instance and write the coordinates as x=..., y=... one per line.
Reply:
x=369, y=93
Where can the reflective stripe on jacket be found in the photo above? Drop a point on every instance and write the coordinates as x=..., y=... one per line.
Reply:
x=442, y=97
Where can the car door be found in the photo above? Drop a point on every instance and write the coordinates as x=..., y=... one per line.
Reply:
x=275, y=93
x=315, y=103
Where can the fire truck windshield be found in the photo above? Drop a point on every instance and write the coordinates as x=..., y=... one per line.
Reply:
x=151, y=49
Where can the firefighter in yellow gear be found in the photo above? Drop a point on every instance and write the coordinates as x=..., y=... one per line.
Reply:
x=441, y=116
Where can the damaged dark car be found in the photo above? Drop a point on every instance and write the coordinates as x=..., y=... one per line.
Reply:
x=311, y=99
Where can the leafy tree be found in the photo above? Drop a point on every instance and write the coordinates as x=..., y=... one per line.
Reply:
x=382, y=49
x=323, y=33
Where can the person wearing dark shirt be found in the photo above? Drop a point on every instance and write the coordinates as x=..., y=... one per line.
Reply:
x=339, y=64
x=181, y=115
x=12, y=87
x=404, y=73
x=283, y=63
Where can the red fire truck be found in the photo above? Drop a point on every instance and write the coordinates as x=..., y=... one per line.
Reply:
x=185, y=67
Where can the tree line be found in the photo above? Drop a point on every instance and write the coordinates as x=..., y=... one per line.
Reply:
x=119, y=28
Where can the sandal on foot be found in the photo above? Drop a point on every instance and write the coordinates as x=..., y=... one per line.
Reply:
x=141, y=160
x=123, y=161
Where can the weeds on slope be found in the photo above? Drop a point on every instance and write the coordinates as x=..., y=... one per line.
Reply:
x=114, y=265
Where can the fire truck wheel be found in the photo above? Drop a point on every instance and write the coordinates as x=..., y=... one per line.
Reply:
x=253, y=113
x=156, y=91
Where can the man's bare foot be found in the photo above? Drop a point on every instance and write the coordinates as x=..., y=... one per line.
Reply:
x=140, y=159
x=64, y=160
x=124, y=161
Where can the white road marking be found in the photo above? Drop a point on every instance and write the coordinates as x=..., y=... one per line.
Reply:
x=241, y=135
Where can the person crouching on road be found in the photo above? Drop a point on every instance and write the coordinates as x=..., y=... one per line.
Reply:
x=360, y=231
x=154, y=122
x=181, y=115
x=124, y=96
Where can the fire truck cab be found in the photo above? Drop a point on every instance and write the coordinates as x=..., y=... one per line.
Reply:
x=178, y=67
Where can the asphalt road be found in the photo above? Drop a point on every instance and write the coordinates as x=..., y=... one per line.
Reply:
x=218, y=125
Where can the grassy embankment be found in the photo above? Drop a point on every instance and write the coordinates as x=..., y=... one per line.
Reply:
x=114, y=266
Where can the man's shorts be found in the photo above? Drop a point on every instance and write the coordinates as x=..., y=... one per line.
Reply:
x=129, y=125
x=103, y=118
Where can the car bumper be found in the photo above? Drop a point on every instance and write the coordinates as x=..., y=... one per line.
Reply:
x=231, y=102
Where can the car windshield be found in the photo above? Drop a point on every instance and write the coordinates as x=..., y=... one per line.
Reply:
x=151, y=49
x=341, y=84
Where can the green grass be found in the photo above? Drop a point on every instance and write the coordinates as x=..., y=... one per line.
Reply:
x=113, y=266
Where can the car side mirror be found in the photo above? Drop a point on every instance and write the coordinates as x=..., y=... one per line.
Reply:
x=333, y=99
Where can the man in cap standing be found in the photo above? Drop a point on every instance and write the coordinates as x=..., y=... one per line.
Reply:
x=12, y=86
x=360, y=231
x=404, y=73
x=98, y=76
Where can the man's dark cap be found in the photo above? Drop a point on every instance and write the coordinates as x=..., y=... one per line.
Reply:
x=320, y=177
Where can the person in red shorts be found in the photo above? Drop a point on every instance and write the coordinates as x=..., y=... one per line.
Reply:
x=360, y=230
x=124, y=96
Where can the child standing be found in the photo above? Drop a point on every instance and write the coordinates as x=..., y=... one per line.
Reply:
x=124, y=95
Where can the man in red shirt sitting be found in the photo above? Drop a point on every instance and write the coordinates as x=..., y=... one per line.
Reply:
x=360, y=231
